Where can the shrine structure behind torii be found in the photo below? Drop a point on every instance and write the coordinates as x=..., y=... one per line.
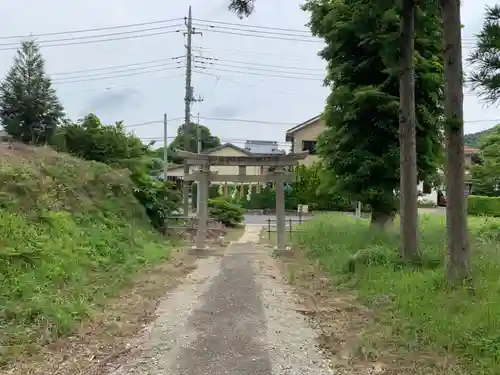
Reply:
x=279, y=176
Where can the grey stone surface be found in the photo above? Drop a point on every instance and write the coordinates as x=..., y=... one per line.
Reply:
x=228, y=324
x=230, y=317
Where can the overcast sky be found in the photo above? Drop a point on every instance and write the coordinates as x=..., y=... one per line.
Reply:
x=227, y=93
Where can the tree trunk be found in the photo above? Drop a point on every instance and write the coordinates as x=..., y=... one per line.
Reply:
x=459, y=269
x=381, y=219
x=407, y=138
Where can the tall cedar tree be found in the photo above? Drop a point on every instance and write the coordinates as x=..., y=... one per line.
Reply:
x=361, y=143
x=29, y=108
x=458, y=266
x=407, y=137
x=486, y=57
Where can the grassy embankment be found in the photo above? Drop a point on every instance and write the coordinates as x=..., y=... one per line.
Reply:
x=71, y=235
x=415, y=311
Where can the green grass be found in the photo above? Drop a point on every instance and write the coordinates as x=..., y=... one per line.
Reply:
x=416, y=309
x=71, y=235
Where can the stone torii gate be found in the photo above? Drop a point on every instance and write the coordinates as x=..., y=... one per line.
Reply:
x=204, y=176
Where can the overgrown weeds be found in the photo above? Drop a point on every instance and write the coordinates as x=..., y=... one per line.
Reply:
x=71, y=234
x=415, y=309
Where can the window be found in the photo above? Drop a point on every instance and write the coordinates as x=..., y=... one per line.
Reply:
x=309, y=146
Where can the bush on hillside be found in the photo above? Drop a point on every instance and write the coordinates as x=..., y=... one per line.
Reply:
x=414, y=308
x=478, y=205
x=227, y=213
x=72, y=233
x=158, y=198
x=89, y=139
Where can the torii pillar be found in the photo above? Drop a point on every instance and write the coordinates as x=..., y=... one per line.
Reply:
x=279, y=176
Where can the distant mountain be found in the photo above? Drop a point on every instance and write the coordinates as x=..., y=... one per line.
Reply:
x=472, y=139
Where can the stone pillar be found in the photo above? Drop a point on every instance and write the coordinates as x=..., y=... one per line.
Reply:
x=203, y=208
x=280, y=210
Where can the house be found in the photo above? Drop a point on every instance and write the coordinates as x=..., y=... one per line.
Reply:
x=263, y=147
x=426, y=193
x=304, y=138
x=229, y=149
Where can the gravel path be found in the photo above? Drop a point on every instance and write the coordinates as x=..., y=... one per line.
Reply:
x=233, y=315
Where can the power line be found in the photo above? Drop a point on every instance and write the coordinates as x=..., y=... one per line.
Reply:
x=139, y=69
x=258, y=32
x=248, y=121
x=114, y=87
x=98, y=35
x=253, y=121
x=90, y=30
x=299, y=74
x=264, y=36
x=117, y=66
x=259, y=64
x=60, y=82
x=152, y=122
x=259, y=74
x=251, y=53
x=98, y=40
x=252, y=26
x=224, y=78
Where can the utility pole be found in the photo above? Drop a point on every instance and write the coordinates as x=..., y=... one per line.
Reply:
x=198, y=136
x=188, y=99
x=165, y=152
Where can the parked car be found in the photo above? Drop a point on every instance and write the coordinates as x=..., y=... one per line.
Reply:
x=441, y=199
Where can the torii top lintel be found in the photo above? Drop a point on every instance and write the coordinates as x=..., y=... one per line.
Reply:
x=269, y=160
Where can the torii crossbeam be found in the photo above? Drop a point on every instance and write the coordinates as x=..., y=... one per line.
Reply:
x=204, y=176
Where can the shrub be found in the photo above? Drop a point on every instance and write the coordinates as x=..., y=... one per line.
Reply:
x=158, y=198
x=478, y=205
x=227, y=213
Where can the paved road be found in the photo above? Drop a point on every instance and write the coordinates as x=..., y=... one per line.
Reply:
x=263, y=219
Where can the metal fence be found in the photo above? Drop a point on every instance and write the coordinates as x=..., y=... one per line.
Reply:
x=189, y=224
x=290, y=226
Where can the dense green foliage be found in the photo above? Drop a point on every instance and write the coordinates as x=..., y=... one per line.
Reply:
x=91, y=140
x=415, y=312
x=29, y=108
x=361, y=144
x=483, y=206
x=308, y=189
x=473, y=139
x=486, y=173
x=485, y=77
x=229, y=214
x=208, y=141
x=72, y=233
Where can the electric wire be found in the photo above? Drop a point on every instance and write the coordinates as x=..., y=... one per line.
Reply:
x=215, y=59
x=79, y=31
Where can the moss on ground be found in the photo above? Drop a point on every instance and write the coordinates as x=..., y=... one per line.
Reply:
x=71, y=234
